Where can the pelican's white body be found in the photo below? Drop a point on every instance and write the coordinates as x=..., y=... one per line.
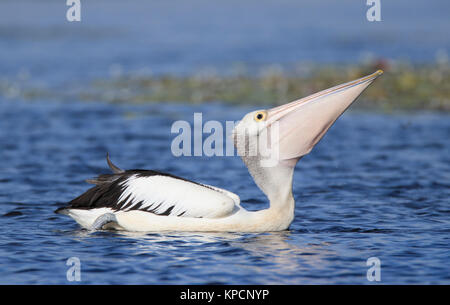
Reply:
x=209, y=209
x=241, y=221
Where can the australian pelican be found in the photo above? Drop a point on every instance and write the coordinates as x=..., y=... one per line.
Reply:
x=146, y=200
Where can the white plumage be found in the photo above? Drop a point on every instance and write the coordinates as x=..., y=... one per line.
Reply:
x=178, y=197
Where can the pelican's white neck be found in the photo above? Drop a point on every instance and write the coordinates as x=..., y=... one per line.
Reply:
x=276, y=183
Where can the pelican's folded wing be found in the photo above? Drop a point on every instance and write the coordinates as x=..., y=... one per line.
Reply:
x=157, y=193
x=236, y=198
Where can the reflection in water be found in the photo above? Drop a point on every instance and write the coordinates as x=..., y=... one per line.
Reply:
x=273, y=252
x=285, y=254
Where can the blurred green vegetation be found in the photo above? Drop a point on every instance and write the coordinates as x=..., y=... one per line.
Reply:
x=402, y=87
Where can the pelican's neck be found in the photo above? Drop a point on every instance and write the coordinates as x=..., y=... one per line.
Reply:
x=276, y=183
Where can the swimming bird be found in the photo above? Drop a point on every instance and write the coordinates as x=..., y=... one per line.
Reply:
x=148, y=200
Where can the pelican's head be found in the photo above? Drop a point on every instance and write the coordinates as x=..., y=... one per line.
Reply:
x=271, y=142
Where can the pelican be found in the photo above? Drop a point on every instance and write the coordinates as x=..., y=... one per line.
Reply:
x=152, y=201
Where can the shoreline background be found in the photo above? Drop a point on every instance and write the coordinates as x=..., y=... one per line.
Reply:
x=403, y=87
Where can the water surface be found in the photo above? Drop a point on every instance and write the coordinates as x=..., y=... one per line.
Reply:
x=38, y=44
x=375, y=186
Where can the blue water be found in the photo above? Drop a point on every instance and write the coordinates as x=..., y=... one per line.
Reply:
x=116, y=37
x=375, y=186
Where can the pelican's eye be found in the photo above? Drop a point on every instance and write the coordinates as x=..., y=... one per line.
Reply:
x=260, y=116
